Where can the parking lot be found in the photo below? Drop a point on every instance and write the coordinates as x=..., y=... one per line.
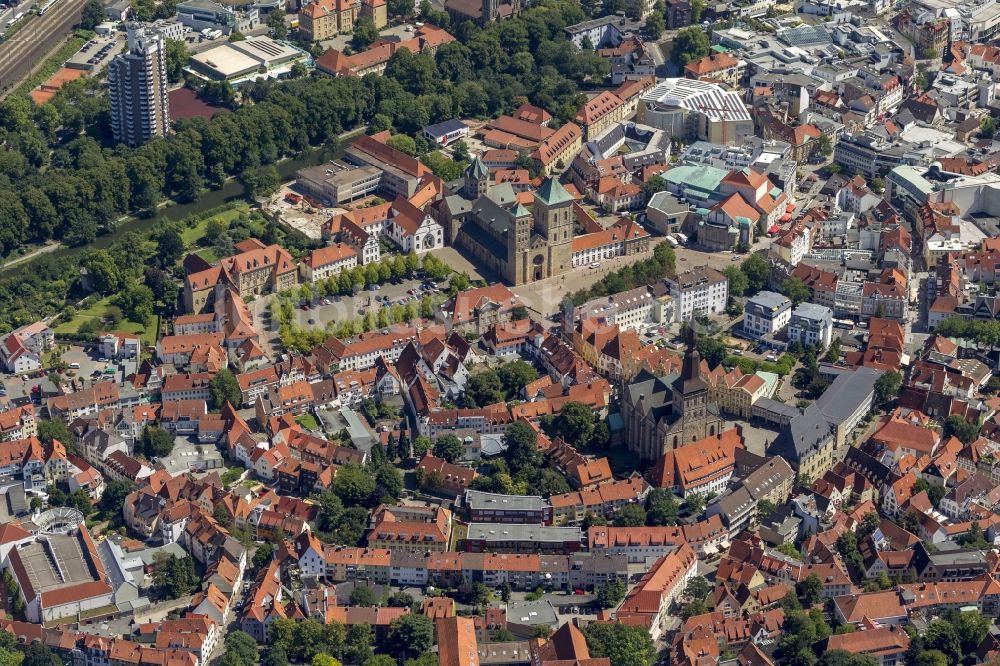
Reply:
x=97, y=53
x=83, y=364
x=331, y=310
x=342, y=308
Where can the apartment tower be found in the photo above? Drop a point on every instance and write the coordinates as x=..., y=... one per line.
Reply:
x=138, y=88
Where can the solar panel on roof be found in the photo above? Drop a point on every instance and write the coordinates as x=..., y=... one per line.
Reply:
x=804, y=35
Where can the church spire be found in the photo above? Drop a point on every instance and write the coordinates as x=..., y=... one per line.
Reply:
x=690, y=381
x=692, y=359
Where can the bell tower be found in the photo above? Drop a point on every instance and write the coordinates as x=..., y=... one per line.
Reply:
x=518, y=239
x=477, y=180
x=554, y=222
x=491, y=9
x=690, y=390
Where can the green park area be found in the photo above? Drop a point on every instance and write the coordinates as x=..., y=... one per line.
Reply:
x=99, y=315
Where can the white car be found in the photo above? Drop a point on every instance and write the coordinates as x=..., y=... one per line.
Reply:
x=596, y=264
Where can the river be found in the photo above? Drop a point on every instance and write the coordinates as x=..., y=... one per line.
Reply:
x=231, y=190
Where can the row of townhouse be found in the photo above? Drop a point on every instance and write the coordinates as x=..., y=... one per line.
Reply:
x=36, y=464
x=603, y=499
x=18, y=423
x=648, y=604
x=523, y=571
x=640, y=544
x=902, y=605
x=89, y=401
x=259, y=381
x=83, y=649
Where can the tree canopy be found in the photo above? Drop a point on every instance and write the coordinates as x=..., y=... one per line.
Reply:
x=690, y=44
x=958, y=426
x=156, y=442
x=448, y=447
x=174, y=577
x=887, y=387
x=410, y=635
x=661, y=507
x=354, y=485
x=92, y=14
x=626, y=645
x=522, y=447
x=224, y=388
x=757, y=271
x=796, y=290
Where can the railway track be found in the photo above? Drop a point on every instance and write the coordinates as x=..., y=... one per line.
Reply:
x=26, y=50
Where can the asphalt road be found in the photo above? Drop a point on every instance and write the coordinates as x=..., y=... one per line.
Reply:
x=29, y=46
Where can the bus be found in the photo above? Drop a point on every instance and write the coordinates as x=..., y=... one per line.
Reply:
x=843, y=323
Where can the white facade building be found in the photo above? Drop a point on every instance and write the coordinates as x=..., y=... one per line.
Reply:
x=811, y=324
x=701, y=291
x=412, y=229
x=629, y=309
x=766, y=314
x=326, y=261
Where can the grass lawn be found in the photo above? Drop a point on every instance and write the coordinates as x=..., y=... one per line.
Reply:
x=208, y=254
x=307, y=421
x=98, y=309
x=191, y=235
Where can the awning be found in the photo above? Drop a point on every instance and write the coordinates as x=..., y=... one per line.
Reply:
x=790, y=208
x=774, y=229
x=785, y=218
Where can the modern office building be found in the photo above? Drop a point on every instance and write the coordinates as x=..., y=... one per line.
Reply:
x=209, y=15
x=696, y=111
x=138, y=88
